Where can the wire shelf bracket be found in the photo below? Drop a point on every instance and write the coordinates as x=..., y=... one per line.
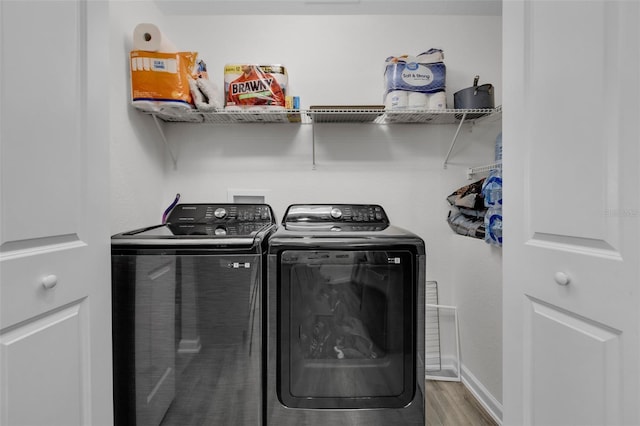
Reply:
x=164, y=139
x=455, y=137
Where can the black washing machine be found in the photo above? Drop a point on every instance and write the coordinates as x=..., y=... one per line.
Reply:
x=187, y=312
x=345, y=319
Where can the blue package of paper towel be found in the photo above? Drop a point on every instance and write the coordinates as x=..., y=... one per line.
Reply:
x=412, y=74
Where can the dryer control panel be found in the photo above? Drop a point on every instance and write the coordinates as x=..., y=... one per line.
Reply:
x=343, y=213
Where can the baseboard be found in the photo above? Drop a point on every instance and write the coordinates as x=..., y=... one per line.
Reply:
x=488, y=402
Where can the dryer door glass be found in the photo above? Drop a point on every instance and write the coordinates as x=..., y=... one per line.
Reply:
x=346, y=329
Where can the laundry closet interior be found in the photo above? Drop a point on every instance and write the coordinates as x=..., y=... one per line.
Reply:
x=334, y=53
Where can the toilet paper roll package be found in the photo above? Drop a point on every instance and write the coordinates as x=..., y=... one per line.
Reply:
x=409, y=73
x=253, y=86
x=161, y=79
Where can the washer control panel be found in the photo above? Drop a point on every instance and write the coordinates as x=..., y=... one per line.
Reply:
x=340, y=213
x=220, y=213
x=217, y=229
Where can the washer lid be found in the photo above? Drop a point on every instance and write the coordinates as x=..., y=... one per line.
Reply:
x=227, y=235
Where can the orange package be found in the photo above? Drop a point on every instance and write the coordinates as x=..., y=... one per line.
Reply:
x=159, y=78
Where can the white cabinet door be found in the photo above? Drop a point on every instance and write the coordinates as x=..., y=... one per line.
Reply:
x=571, y=137
x=55, y=330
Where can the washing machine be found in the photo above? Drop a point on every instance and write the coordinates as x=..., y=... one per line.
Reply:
x=344, y=319
x=187, y=311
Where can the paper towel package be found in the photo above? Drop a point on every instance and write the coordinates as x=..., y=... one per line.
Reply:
x=252, y=86
x=149, y=37
x=161, y=79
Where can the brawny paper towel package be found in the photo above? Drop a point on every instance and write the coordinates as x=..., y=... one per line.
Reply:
x=255, y=87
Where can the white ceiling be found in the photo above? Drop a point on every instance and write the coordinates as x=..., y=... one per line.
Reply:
x=331, y=7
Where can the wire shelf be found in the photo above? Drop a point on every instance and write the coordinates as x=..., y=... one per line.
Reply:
x=375, y=114
x=348, y=115
x=471, y=172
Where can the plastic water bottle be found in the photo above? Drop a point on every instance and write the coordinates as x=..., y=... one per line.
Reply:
x=493, y=226
x=492, y=189
x=492, y=193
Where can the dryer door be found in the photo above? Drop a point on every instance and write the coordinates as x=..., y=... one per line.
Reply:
x=346, y=329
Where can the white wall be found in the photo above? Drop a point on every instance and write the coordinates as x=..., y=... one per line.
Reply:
x=330, y=60
x=137, y=155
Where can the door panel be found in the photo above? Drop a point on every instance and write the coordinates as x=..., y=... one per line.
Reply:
x=587, y=357
x=567, y=200
x=62, y=365
x=24, y=296
x=41, y=122
x=571, y=212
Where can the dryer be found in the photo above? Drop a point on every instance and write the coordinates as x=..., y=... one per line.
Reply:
x=187, y=311
x=344, y=319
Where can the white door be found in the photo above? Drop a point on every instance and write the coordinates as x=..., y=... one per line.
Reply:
x=571, y=137
x=55, y=327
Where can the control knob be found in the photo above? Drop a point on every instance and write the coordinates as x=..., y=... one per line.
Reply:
x=220, y=231
x=336, y=213
x=220, y=213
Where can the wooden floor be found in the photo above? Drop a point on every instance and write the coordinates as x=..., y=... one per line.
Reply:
x=451, y=404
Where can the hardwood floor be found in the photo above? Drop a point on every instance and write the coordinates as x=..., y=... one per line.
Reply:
x=451, y=404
